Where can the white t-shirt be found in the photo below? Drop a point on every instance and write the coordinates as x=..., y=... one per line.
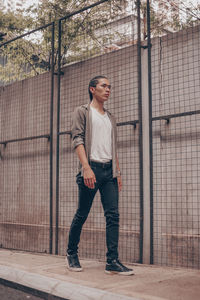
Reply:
x=101, y=146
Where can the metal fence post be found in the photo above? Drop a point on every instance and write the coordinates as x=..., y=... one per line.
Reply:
x=51, y=140
x=140, y=125
x=150, y=129
x=58, y=137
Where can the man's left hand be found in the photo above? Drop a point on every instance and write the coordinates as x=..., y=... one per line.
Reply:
x=119, y=181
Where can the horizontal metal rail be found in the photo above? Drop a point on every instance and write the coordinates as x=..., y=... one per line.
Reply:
x=65, y=132
x=82, y=9
x=134, y=123
x=47, y=136
x=168, y=117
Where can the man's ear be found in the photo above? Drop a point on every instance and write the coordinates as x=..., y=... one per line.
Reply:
x=92, y=89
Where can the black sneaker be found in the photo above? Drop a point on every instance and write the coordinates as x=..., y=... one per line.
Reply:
x=73, y=263
x=116, y=267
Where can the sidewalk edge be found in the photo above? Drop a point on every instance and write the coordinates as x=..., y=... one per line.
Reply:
x=57, y=287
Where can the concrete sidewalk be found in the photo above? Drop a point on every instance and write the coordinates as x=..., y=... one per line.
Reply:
x=48, y=273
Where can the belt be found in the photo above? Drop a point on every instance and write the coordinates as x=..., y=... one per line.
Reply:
x=105, y=165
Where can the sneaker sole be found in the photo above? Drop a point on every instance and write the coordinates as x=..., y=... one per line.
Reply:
x=119, y=273
x=73, y=269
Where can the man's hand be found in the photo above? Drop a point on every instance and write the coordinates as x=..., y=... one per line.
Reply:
x=89, y=177
x=88, y=174
x=119, y=181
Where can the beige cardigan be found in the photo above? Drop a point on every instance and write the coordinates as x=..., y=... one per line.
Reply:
x=82, y=131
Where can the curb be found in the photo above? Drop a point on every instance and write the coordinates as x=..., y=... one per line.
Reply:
x=56, y=287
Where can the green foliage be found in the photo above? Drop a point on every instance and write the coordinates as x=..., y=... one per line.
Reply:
x=168, y=16
x=22, y=59
x=14, y=23
x=83, y=35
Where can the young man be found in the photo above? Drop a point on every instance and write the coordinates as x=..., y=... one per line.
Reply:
x=94, y=140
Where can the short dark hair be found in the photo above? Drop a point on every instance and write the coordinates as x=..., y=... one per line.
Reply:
x=93, y=82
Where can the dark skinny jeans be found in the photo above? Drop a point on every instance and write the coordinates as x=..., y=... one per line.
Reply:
x=108, y=187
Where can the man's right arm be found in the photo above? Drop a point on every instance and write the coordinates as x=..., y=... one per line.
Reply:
x=88, y=174
x=78, y=140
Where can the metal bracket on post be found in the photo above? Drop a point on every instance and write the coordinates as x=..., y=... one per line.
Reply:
x=57, y=73
x=135, y=124
x=4, y=144
x=145, y=46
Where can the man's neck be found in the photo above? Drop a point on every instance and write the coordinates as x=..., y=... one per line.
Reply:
x=98, y=106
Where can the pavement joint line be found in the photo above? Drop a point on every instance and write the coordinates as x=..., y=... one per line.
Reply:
x=57, y=287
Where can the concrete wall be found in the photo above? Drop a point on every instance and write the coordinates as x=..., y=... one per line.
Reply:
x=24, y=181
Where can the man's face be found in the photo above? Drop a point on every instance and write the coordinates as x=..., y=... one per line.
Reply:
x=102, y=90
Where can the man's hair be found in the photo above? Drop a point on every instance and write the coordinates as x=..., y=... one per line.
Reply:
x=93, y=82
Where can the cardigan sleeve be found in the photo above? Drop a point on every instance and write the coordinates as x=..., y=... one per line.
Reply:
x=78, y=127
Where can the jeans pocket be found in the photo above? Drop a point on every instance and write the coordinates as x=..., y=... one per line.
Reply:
x=79, y=178
x=93, y=168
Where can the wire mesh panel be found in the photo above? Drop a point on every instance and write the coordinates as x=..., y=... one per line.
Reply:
x=25, y=108
x=24, y=188
x=176, y=90
x=104, y=48
x=25, y=113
